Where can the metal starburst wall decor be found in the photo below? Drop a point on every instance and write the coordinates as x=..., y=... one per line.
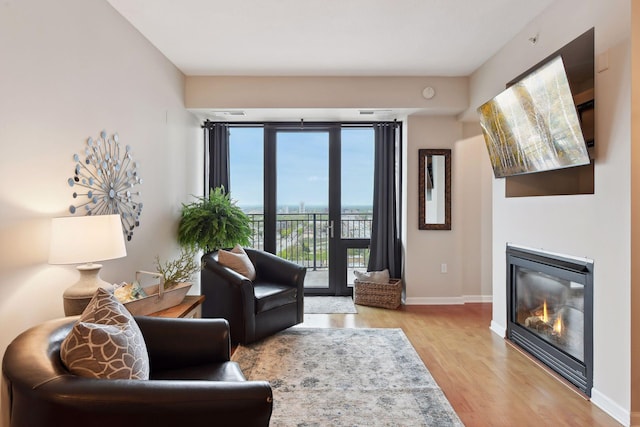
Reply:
x=107, y=174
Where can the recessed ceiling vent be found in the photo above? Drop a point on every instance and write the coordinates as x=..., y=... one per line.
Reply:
x=374, y=112
x=228, y=113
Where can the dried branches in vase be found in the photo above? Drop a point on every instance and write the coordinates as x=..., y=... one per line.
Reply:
x=179, y=270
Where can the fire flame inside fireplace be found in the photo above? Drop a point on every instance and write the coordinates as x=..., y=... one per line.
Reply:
x=546, y=322
x=558, y=326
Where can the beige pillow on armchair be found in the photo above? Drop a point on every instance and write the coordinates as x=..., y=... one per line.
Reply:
x=237, y=260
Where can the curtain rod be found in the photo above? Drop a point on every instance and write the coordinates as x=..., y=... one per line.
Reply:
x=301, y=124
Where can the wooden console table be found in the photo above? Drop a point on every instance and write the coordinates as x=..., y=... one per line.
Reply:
x=189, y=307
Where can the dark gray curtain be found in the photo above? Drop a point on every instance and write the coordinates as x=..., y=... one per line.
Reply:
x=218, y=155
x=385, y=242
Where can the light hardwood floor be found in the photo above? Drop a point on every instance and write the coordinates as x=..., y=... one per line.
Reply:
x=487, y=381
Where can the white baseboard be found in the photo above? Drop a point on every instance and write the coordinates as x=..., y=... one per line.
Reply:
x=498, y=329
x=620, y=414
x=465, y=299
x=470, y=299
x=435, y=301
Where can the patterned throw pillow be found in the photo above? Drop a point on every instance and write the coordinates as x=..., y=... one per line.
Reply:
x=238, y=261
x=106, y=342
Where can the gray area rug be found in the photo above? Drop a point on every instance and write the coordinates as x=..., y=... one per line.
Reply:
x=346, y=377
x=329, y=305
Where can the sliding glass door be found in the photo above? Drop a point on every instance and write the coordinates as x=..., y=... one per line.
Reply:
x=317, y=194
x=303, y=230
x=357, y=151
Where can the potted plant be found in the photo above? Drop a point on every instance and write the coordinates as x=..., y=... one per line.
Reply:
x=179, y=270
x=213, y=222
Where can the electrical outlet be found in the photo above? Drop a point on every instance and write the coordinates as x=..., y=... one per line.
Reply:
x=443, y=268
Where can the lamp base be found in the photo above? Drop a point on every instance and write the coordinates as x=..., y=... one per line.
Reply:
x=76, y=297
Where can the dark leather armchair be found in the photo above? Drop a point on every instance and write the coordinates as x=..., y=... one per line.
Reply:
x=192, y=381
x=255, y=309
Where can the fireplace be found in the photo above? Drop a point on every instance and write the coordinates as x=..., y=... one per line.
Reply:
x=549, y=311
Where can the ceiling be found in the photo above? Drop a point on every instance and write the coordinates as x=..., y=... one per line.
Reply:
x=329, y=37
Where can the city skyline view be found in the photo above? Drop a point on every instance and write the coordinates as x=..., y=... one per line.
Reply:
x=302, y=168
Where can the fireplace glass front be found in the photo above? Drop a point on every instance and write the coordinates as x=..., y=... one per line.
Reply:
x=551, y=308
x=549, y=311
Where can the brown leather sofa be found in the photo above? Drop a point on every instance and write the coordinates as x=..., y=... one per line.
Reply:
x=192, y=381
x=255, y=309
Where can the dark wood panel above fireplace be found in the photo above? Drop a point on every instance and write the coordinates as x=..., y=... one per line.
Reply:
x=579, y=59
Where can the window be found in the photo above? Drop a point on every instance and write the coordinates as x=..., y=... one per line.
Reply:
x=246, y=177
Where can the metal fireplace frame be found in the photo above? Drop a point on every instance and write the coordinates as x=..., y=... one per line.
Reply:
x=579, y=270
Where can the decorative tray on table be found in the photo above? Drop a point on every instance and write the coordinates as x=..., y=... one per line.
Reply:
x=154, y=297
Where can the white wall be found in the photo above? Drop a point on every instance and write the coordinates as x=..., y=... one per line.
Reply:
x=635, y=213
x=475, y=183
x=70, y=69
x=595, y=226
x=427, y=250
x=463, y=248
x=358, y=92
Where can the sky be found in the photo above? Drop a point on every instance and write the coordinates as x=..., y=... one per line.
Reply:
x=303, y=167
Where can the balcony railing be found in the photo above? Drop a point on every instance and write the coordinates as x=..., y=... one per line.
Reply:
x=304, y=238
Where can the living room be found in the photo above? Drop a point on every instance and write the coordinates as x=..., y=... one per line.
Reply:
x=74, y=68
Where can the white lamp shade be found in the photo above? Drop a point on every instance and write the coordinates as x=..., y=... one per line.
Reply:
x=86, y=239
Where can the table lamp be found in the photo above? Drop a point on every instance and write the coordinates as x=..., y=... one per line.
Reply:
x=85, y=240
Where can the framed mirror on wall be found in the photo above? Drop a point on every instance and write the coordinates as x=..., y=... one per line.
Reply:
x=434, y=183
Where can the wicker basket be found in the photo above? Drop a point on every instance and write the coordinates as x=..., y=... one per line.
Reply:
x=378, y=294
